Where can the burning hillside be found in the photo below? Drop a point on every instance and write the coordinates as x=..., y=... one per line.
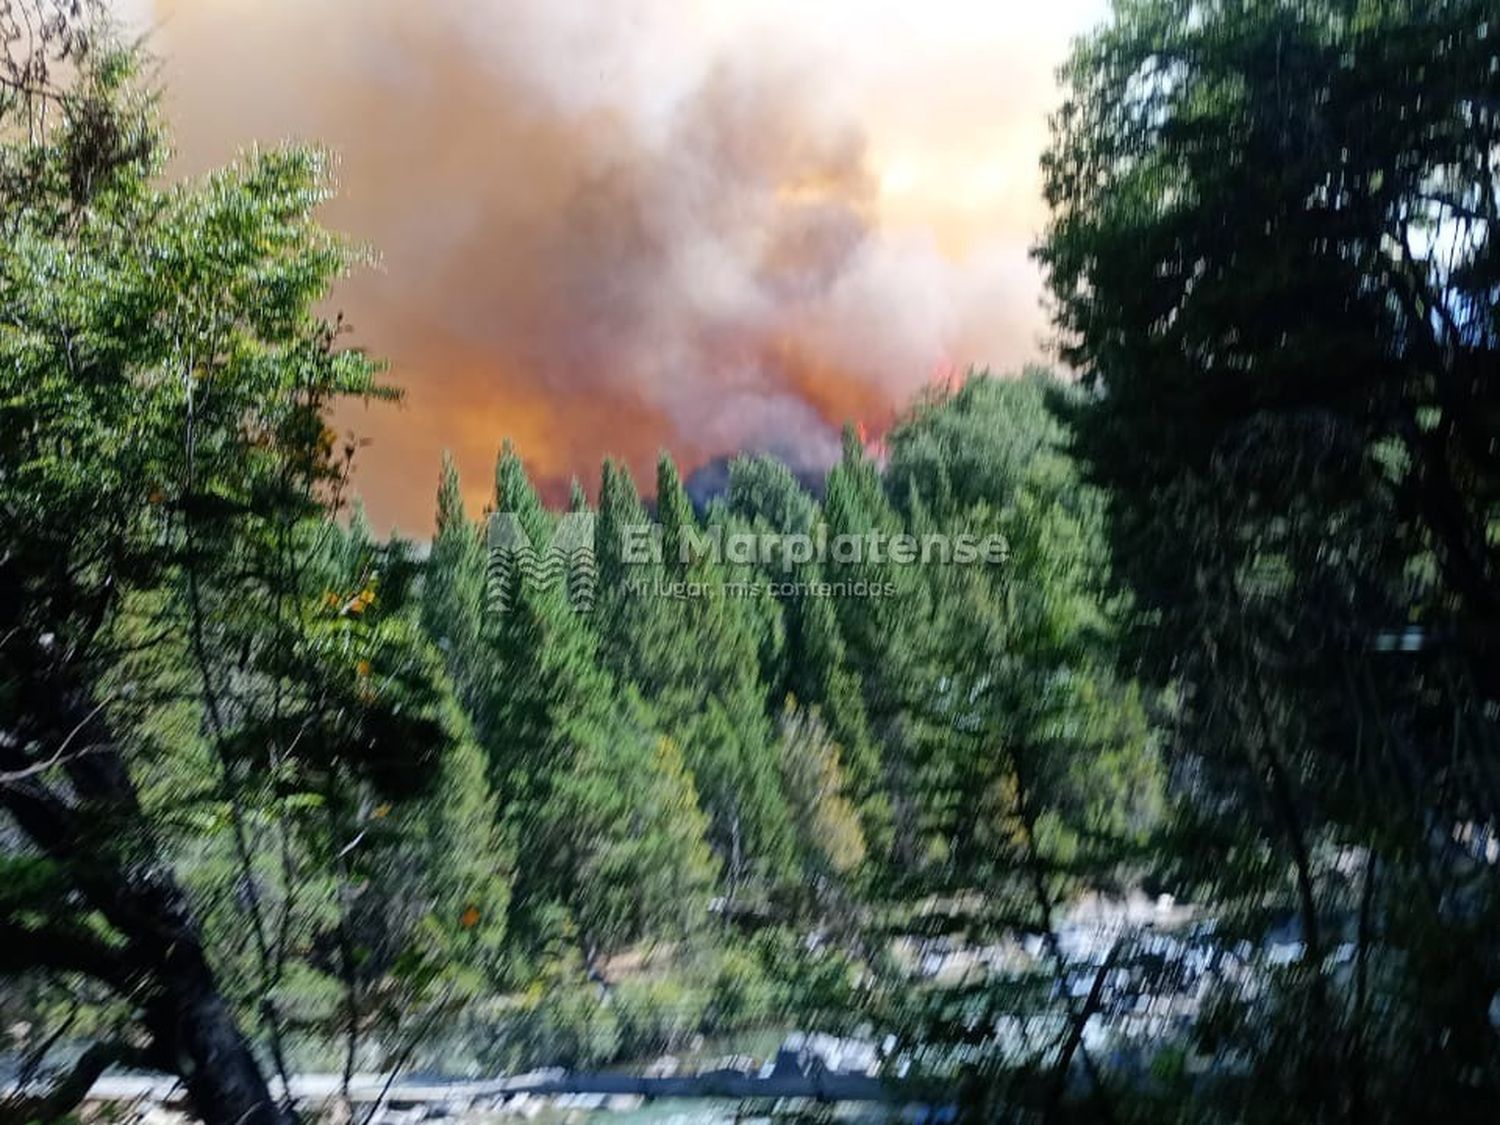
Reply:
x=656, y=228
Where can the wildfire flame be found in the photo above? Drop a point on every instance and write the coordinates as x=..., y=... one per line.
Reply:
x=641, y=226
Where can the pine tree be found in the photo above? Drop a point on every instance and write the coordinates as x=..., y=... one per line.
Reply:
x=701, y=665
x=453, y=602
x=514, y=495
x=626, y=594
x=884, y=636
x=602, y=814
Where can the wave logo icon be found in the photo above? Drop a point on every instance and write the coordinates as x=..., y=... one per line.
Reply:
x=514, y=561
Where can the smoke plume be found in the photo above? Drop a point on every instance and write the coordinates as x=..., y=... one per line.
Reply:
x=616, y=228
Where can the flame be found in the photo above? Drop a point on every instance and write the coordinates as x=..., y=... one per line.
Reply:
x=610, y=230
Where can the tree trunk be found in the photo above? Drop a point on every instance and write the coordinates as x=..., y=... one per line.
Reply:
x=190, y=1024
x=104, y=840
x=190, y=1021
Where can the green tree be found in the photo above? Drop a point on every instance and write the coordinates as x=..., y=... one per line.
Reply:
x=1273, y=256
x=601, y=808
x=453, y=584
x=883, y=635
x=813, y=776
x=165, y=470
x=700, y=663
x=1030, y=775
x=809, y=662
x=671, y=627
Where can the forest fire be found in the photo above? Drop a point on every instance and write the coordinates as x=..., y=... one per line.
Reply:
x=661, y=233
x=1115, y=748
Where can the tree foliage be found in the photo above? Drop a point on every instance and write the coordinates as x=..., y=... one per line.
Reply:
x=1273, y=258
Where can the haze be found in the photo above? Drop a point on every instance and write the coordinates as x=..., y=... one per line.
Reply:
x=610, y=229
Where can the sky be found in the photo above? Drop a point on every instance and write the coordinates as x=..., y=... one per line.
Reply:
x=607, y=229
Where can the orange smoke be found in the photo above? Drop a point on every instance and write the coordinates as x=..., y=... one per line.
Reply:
x=610, y=230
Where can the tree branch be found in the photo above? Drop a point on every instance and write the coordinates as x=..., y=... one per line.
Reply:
x=69, y=1090
x=23, y=948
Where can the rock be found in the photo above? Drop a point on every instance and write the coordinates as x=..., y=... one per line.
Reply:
x=525, y=1106
x=399, y=1116
x=664, y=1067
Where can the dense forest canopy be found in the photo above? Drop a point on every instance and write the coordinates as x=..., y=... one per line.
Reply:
x=1183, y=794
